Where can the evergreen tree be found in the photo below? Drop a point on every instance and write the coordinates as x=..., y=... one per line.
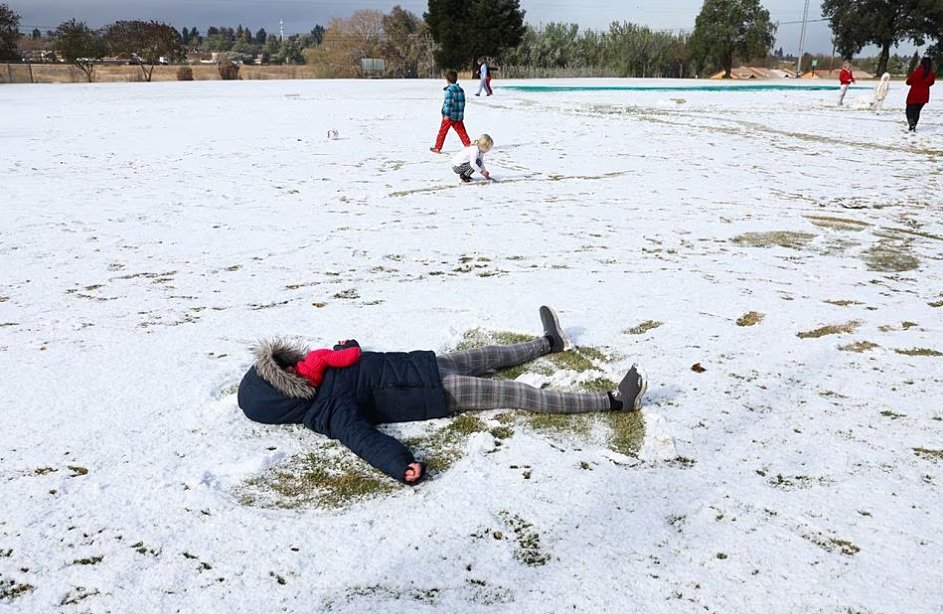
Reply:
x=317, y=33
x=468, y=29
x=885, y=23
x=9, y=33
x=79, y=45
x=148, y=41
x=728, y=29
x=402, y=47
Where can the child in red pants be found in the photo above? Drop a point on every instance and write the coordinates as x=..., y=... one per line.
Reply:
x=453, y=112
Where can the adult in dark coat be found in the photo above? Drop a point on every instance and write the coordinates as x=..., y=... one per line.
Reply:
x=344, y=393
x=919, y=81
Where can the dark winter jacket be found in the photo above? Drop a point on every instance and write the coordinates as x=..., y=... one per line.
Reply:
x=453, y=106
x=383, y=387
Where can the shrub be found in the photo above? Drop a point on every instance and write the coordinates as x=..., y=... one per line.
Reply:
x=228, y=71
x=184, y=73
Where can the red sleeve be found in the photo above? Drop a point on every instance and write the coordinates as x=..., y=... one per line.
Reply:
x=313, y=366
x=343, y=358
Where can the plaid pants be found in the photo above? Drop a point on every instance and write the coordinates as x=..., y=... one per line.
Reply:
x=465, y=390
x=463, y=169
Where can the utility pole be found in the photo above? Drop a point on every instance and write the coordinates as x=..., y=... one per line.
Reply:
x=805, y=18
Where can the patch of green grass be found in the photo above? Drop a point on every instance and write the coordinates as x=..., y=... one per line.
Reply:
x=527, y=541
x=858, y=347
x=751, y=318
x=843, y=303
x=643, y=328
x=837, y=223
x=831, y=329
x=918, y=352
x=502, y=432
x=330, y=477
x=890, y=258
x=378, y=593
x=441, y=448
x=929, y=454
x=599, y=384
x=593, y=353
x=781, y=238
x=628, y=431
x=845, y=547
x=465, y=424
x=10, y=589
x=578, y=425
x=574, y=361
x=892, y=415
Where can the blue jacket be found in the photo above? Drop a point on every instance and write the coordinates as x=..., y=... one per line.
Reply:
x=454, y=105
x=383, y=387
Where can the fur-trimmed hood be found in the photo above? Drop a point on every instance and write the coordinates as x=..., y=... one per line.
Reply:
x=270, y=394
x=269, y=353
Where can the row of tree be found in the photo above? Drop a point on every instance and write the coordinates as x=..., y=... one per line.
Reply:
x=885, y=23
x=453, y=33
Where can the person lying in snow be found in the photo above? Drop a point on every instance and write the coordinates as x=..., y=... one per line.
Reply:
x=344, y=392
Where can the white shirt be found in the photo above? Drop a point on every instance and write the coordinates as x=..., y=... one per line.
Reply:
x=473, y=156
x=484, y=70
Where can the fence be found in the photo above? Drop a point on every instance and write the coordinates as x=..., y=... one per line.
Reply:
x=15, y=72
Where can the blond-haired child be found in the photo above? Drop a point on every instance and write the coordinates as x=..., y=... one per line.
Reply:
x=472, y=159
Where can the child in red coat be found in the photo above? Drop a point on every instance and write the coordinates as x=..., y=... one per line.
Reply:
x=845, y=78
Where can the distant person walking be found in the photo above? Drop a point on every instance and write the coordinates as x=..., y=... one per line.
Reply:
x=919, y=81
x=484, y=78
x=880, y=91
x=845, y=78
x=453, y=112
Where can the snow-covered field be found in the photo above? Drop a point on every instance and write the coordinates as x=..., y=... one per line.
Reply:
x=149, y=233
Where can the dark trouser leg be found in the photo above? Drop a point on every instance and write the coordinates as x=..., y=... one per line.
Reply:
x=913, y=115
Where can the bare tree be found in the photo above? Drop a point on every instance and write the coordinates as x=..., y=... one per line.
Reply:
x=345, y=42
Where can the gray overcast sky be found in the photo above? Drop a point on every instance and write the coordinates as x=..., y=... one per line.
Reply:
x=302, y=15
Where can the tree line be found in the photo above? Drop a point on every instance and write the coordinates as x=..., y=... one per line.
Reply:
x=453, y=33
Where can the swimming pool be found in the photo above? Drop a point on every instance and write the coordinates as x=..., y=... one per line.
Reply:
x=746, y=87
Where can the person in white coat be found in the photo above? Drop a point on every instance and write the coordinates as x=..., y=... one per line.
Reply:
x=880, y=91
x=483, y=76
x=472, y=159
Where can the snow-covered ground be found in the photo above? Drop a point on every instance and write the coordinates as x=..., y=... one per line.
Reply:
x=149, y=233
